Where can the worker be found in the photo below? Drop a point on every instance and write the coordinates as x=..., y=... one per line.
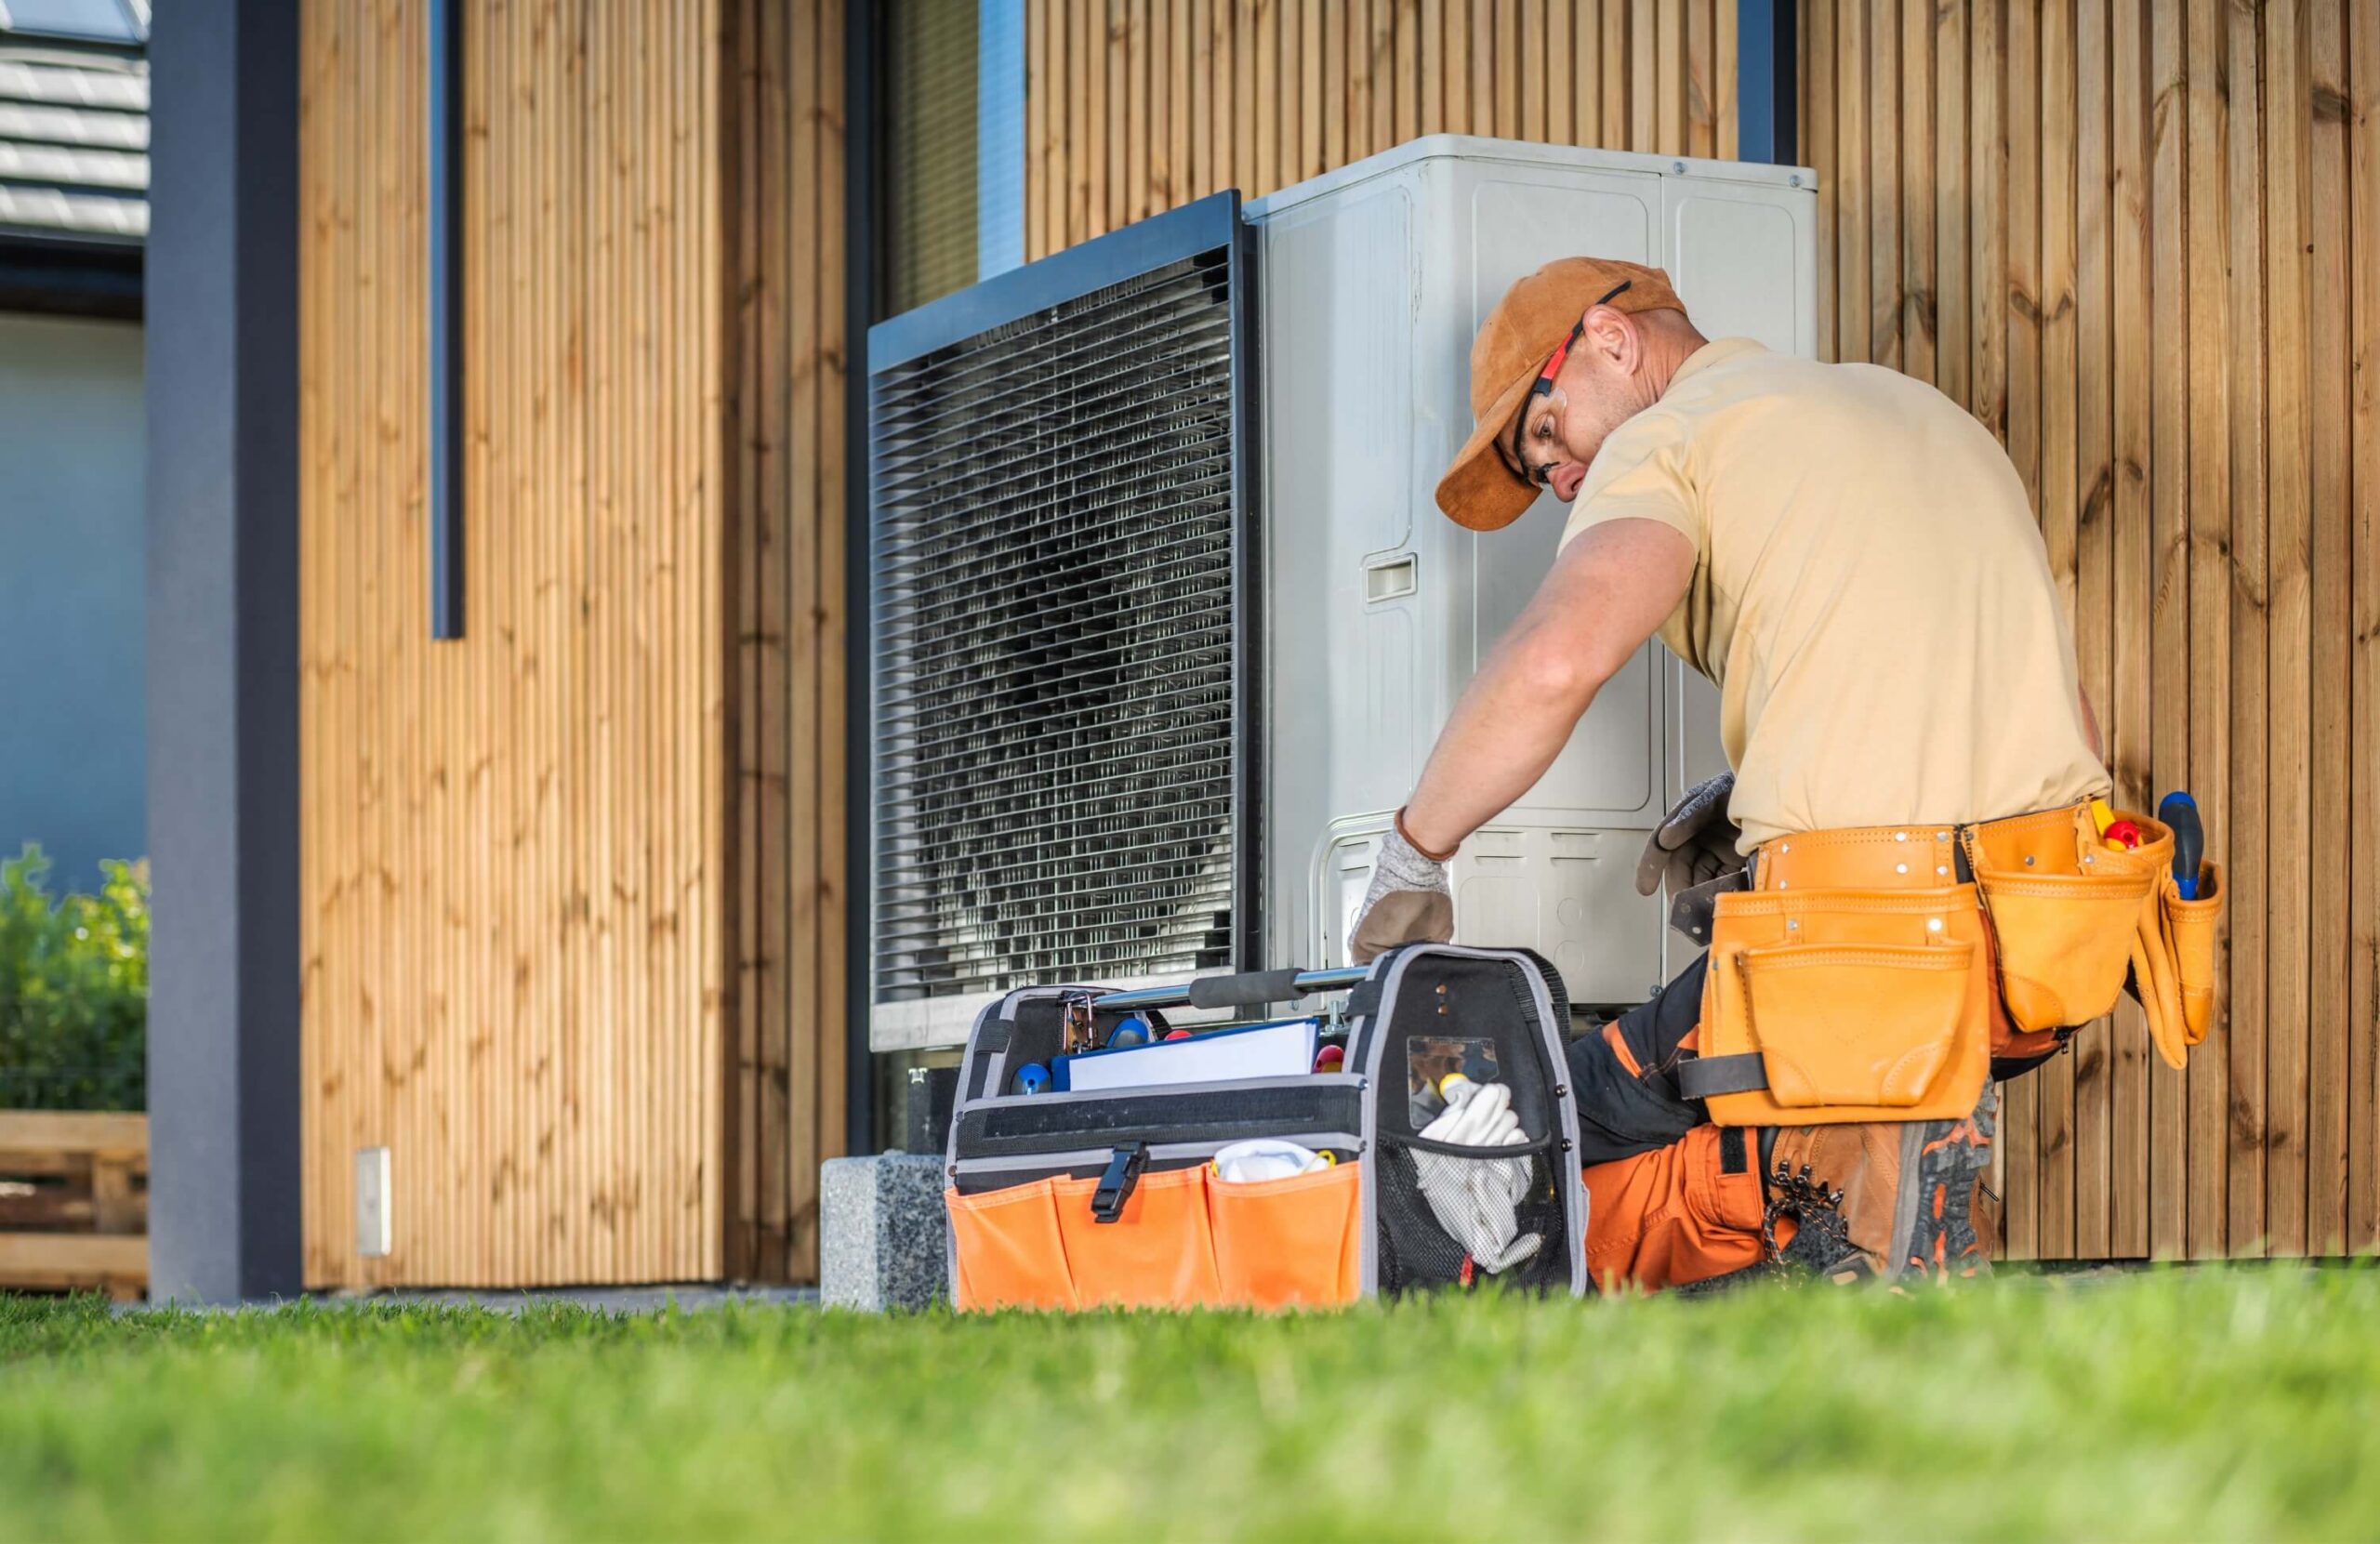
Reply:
x=1851, y=557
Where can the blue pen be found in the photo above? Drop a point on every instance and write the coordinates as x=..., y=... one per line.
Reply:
x=2180, y=812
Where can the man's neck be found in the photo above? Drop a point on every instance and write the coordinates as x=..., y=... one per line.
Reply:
x=1666, y=349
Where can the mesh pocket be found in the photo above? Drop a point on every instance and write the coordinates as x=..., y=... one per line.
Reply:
x=1417, y=1253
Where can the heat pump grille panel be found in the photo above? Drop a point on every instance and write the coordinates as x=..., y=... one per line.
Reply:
x=1059, y=663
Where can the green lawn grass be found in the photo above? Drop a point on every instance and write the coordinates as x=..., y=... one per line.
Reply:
x=2232, y=1404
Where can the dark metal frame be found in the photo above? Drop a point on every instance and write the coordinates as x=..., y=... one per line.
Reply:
x=863, y=202
x=1210, y=224
x=51, y=277
x=445, y=332
x=1767, y=89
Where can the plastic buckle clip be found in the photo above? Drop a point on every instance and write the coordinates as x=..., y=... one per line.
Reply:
x=1116, y=1185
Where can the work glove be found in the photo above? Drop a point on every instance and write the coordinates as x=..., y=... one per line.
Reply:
x=1409, y=902
x=1477, y=1200
x=1692, y=853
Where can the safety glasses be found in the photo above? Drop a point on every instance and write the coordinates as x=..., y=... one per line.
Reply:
x=1545, y=385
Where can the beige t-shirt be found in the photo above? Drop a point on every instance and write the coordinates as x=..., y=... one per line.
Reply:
x=1871, y=594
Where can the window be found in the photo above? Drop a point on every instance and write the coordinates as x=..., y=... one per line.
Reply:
x=953, y=121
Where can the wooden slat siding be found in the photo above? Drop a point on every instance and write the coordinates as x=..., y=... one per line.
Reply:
x=1644, y=73
x=1407, y=120
x=1532, y=81
x=2171, y=375
x=1484, y=90
x=2287, y=128
x=1263, y=18
x=1883, y=132
x=2331, y=558
x=1852, y=221
x=1702, y=117
x=1916, y=128
x=2247, y=787
x=1504, y=101
x=1562, y=59
x=1137, y=146
x=2058, y=410
x=1669, y=79
x=2092, y=308
x=2131, y=582
x=1950, y=204
x=1454, y=64
x=452, y=834
x=2363, y=432
x=1818, y=66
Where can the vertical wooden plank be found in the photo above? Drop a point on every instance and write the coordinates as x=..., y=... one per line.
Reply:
x=1203, y=172
x=1586, y=74
x=1358, y=21
x=1383, y=71
x=2172, y=298
x=1159, y=67
x=2057, y=429
x=2245, y=699
x=1702, y=76
x=2363, y=431
x=2132, y=580
x=1225, y=73
x=1179, y=130
x=2331, y=558
x=1458, y=63
x=1986, y=234
x=1483, y=66
x=1337, y=86
x=1252, y=109
x=1264, y=110
x=1817, y=64
x=2019, y=425
x=1853, y=222
x=1725, y=74
x=1669, y=79
x=1139, y=146
x=1101, y=127
x=1562, y=64
x=2208, y=1140
x=1406, y=65
x=1619, y=74
x=1534, y=69
x=1505, y=102
x=1643, y=59
x=1953, y=193
x=1293, y=27
x=2093, y=484
x=1883, y=48
x=2287, y=126
x=1076, y=150
x=1917, y=280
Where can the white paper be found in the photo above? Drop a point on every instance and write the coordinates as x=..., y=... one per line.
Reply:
x=1270, y=1051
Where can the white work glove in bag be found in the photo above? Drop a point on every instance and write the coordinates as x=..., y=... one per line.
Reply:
x=1477, y=1200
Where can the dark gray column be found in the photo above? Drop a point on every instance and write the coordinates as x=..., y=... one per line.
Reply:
x=223, y=387
x=1766, y=88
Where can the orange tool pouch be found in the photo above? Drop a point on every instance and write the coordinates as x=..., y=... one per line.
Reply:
x=1851, y=985
x=2070, y=916
x=1865, y=979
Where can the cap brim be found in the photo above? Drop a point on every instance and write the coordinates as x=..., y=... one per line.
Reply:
x=1481, y=491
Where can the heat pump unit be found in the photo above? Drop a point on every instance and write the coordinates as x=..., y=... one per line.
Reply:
x=1165, y=618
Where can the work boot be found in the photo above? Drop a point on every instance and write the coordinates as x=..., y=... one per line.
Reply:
x=1900, y=1200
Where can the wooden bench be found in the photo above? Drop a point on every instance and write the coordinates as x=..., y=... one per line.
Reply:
x=74, y=1201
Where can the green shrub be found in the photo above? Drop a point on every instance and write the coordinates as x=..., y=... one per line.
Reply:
x=74, y=989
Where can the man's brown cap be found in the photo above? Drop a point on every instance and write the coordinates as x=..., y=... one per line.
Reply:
x=1480, y=490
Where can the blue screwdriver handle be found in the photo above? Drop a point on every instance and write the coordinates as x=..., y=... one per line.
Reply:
x=2180, y=812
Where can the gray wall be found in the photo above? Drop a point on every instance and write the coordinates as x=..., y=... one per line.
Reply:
x=73, y=592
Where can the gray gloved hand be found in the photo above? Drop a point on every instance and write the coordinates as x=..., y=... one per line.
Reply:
x=1693, y=853
x=1694, y=843
x=1409, y=902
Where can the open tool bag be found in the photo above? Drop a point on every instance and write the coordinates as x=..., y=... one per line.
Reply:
x=1876, y=974
x=1111, y=1195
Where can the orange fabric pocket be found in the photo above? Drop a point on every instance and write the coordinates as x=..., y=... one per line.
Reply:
x=1855, y=1024
x=1160, y=1253
x=1284, y=1242
x=1007, y=1248
x=2064, y=909
x=1862, y=1004
x=2190, y=933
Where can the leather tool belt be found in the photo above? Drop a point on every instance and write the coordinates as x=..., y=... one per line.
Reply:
x=1872, y=974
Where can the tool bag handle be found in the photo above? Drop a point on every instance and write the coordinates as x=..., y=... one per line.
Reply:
x=1248, y=989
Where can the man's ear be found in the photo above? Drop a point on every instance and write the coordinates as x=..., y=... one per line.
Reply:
x=1616, y=337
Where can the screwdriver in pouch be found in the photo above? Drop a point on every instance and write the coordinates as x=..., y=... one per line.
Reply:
x=2178, y=811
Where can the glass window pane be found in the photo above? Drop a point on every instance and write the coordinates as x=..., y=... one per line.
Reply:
x=930, y=159
x=102, y=20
